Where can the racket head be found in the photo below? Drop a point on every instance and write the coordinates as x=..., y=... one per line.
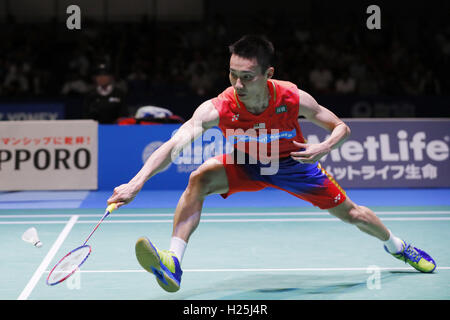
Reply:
x=68, y=264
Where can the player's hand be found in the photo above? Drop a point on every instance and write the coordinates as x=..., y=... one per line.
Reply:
x=123, y=194
x=310, y=153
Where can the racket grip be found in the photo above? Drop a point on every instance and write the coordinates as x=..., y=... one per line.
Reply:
x=111, y=207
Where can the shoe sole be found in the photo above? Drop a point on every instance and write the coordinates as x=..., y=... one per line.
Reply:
x=417, y=268
x=148, y=258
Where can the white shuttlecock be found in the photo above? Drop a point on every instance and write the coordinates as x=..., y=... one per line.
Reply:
x=32, y=237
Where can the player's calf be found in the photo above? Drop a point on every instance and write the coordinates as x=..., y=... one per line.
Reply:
x=362, y=217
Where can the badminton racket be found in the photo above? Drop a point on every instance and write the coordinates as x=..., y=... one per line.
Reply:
x=73, y=260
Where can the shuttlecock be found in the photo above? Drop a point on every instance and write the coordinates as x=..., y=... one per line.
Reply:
x=32, y=237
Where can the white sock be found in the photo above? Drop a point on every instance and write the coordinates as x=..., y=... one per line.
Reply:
x=393, y=244
x=177, y=246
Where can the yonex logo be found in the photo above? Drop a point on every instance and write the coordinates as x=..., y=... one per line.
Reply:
x=337, y=198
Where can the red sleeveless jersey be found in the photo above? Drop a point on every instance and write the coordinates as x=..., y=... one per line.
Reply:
x=275, y=128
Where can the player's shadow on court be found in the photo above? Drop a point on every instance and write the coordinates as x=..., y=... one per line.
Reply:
x=289, y=286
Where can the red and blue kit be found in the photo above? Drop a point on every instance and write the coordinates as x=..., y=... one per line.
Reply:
x=262, y=146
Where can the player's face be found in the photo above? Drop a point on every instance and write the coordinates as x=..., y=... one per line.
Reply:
x=247, y=78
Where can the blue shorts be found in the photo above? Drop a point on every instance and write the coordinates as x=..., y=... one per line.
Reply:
x=309, y=182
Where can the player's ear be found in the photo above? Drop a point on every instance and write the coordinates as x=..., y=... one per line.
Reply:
x=269, y=72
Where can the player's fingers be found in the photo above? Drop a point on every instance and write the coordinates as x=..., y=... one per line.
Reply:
x=115, y=198
x=117, y=194
x=119, y=204
x=304, y=159
x=118, y=189
x=300, y=144
x=300, y=154
x=297, y=159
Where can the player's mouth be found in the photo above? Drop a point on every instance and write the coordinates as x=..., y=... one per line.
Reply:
x=240, y=94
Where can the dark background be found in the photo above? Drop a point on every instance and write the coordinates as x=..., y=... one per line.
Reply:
x=174, y=54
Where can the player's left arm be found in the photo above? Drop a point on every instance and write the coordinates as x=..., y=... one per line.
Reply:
x=321, y=116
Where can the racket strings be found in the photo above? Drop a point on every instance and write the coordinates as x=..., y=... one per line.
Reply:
x=68, y=264
x=72, y=261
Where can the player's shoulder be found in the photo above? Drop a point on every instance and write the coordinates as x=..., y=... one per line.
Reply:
x=226, y=95
x=283, y=84
x=207, y=113
x=286, y=91
x=224, y=100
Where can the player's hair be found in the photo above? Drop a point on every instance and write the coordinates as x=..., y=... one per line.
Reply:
x=255, y=46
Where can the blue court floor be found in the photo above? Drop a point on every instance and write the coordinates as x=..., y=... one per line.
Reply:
x=169, y=198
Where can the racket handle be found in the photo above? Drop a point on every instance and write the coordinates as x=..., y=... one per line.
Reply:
x=111, y=207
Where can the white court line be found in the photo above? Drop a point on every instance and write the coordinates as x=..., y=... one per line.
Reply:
x=34, y=222
x=224, y=214
x=270, y=220
x=263, y=270
x=223, y=220
x=48, y=258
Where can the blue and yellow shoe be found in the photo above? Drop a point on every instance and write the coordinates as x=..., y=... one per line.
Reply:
x=418, y=259
x=162, y=263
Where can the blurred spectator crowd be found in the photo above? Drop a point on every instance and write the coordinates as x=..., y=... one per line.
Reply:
x=147, y=58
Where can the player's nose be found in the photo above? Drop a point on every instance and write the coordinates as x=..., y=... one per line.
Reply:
x=238, y=84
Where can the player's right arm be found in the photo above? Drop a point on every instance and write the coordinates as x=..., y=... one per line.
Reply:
x=206, y=116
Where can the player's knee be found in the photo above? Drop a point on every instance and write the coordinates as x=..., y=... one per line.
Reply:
x=196, y=178
x=200, y=180
x=356, y=215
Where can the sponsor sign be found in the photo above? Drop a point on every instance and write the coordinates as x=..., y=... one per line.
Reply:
x=384, y=153
x=124, y=149
x=380, y=153
x=42, y=111
x=48, y=155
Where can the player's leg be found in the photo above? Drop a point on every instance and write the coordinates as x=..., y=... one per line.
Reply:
x=318, y=187
x=362, y=217
x=218, y=175
x=366, y=220
x=209, y=178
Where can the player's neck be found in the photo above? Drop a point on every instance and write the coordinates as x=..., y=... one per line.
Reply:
x=259, y=103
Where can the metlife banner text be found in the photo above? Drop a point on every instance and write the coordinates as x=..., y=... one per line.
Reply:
x=385, y=153
x=380, y=153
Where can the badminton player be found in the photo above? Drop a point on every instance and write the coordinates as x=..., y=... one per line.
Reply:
x=256, y=103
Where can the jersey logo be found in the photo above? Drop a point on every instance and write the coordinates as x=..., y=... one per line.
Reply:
x=235, y=117
x=281, y=109
x=337, y=198
x=261, y=125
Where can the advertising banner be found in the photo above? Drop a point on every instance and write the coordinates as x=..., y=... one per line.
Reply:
x=385, y=153
x=48, y=155
x=380, y=153
x=124, y=149
x=31, y=111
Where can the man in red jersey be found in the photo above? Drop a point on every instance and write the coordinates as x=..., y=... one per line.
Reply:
x=257, y=109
